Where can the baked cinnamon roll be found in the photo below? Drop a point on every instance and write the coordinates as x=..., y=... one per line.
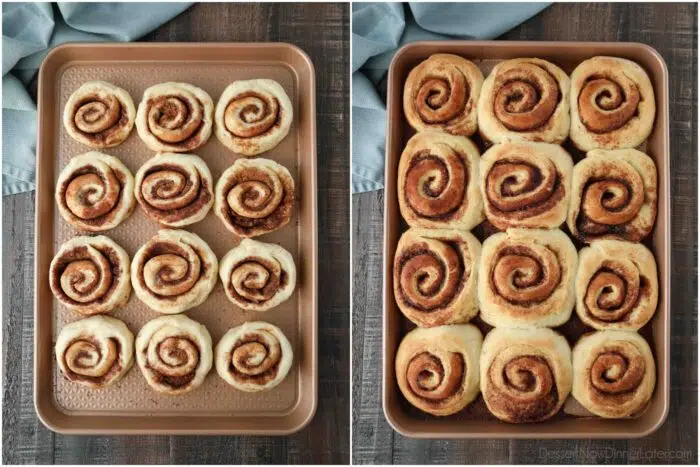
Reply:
x=525, y=99
x=614, y=373
x=175, y=189
x=175, y=117
x=435, y=274
x=90, y=275
x=526, y=277
x=174, y=271
x=437, y=369
x=95, y=352
x=253, y=116
x=613, y=196
x=174, y=354
x=95, y=192
x=526, y=374
x=254, y=356
x=612, y=104
x=526, y=185
x=441, y=94
x=254, y=197
x=438, y=182
x=258, y=276
x=616, y=285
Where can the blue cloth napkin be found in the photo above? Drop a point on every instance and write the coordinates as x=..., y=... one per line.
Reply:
x=378, y=31
x=29, y=31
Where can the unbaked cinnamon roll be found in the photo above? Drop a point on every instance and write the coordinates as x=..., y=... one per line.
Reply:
x=613, y=196
x=437, y=369
x=174, y=354
x=616, y=285
x=258, y=276
x=526, y=374
x=90, y=275
x=438, y=182
x=612, y=104
x=254, y=356
x=526, y=277
x=435, y=275
x=525, y=99
x=253, y=116
x=254, y=197
x=95, y=192
x=99, y=114
x=526, y=185
x=614, y=373
x=174, y=271
x=175, y=189
x=175, y=117
x=441, y=94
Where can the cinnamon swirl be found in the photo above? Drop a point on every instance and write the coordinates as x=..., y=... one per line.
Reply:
x=437, y=369
x=95, y=351
x=253, y=116
x=525, y=99
x=90, y=275
x=174, y=117
x=526, y=277
x=441, y=94
x=612, y=104
x=435, y=276
x=438, y=182
x=174, y=271
x=175, y=189
x=614, y=373
x=95, y=192
x=254, y=197
x=174, y=354
x=613, y=196
x=254, y=356
x=526, y=374
x=258, y=276
x=526, y=185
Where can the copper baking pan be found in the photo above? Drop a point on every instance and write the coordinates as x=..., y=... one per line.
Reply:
x=476, y=421
x=131, y=406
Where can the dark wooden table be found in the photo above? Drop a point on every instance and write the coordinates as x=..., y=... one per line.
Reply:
x=322, y=30
x=672, y=30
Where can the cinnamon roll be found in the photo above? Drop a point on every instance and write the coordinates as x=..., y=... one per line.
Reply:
x=174, y=354
x=254, y=356
x=175, y=189
x=95, y=192
x=526, y=277
x=258, y=276
x=441, y=94
x=526, y=185
x=253, y=116
x=254, y=197
x=174, y=271
x=616, y=285
x=174, y=117
x=526, y=374
x=438, y=182
x=435, y=275
x=95, y=352
x=525, y=99
x=99, y=114
x=613, y=196
x=614, y=373
x=612, y=104
x=90, y=275
x=438, y=368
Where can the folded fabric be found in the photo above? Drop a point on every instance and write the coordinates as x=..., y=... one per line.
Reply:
x=378, y=31
x=30, y=31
